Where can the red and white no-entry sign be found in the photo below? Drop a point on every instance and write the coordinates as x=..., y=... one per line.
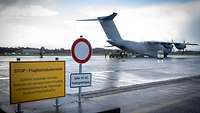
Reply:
x=81, y=50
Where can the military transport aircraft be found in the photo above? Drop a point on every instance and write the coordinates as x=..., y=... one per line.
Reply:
x=147, y=48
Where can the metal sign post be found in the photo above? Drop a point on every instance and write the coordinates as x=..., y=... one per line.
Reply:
x=18, y=105
x=79, y=89
x=57, y=104
x=81, y=51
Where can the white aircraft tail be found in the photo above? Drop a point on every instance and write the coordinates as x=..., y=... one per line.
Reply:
x=108, y=26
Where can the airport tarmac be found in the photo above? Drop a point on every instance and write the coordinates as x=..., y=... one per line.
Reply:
x=111, y=73
x=121, y=77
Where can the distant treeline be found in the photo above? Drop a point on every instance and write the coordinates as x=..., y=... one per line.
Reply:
x=36, y=51
x=96, y=51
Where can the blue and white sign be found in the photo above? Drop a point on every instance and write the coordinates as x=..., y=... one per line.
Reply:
x=80, y=80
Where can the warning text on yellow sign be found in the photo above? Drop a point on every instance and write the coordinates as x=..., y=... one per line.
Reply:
x=36, y=80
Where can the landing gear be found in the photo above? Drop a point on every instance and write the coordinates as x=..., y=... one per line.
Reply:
x=119, y=54
x=160, y=54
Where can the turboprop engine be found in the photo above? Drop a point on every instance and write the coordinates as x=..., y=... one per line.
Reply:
x=168, y=46
x=180, y=46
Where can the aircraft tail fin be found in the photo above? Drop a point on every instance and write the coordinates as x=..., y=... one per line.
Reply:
x=108, y=26
x=110, y=17
x=88, y=20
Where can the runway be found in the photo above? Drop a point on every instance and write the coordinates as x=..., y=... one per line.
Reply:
x=135, y=85
x=114, y=73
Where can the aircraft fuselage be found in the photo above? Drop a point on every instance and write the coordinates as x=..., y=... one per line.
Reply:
x=147, y=48
x=143, y=48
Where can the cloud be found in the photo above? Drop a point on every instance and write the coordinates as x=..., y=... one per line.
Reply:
x=49, y=21
x=162, y=22
x=191, y=28
x=7, y=3
x=27, y=11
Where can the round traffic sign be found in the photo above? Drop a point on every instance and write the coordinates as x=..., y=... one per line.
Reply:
x=81, y=50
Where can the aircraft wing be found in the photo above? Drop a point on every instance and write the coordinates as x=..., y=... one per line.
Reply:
x=108, y=46
x=160, y=42
x=191, y=44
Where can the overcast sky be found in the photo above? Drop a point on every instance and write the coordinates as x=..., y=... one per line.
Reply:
x=52, y=23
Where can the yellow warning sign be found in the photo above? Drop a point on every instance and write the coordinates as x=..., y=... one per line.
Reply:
x=36, y=80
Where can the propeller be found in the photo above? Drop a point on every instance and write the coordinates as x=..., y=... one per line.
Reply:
x=173, y=49
x=184, y=47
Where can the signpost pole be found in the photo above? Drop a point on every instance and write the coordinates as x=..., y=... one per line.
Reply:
x=18, y=109
x=81, y=52
x=18, y=105
x=57, y=104
x=79, y=89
